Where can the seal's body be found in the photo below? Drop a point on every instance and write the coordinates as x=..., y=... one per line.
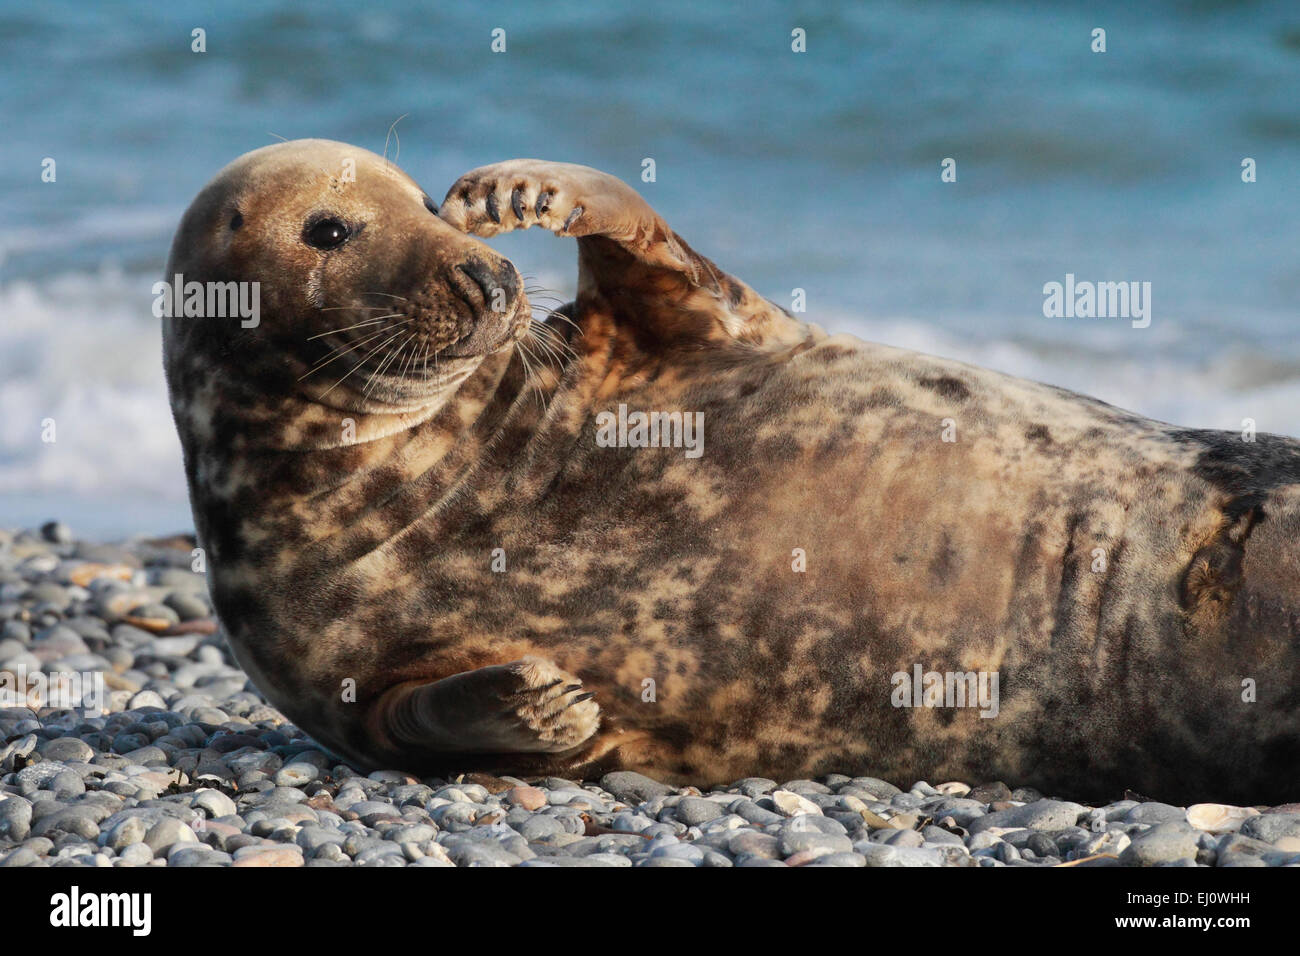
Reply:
x=432, y=562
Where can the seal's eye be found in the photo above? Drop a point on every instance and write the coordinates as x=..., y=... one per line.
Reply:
x=430, y=205
x=327, y=234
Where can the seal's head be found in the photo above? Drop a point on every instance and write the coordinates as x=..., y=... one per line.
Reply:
x=365, y=299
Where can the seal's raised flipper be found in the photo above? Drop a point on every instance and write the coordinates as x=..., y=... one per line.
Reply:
x=526, y=706
x=631, y=265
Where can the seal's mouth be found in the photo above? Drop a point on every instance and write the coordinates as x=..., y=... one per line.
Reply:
x=495, y=306
x=493, y=331
x=404, y=344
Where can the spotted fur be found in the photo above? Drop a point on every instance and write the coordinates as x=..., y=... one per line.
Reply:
x=370, y=559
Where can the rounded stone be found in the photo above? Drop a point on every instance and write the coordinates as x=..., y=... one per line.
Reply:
x=127, y=832
x=213, y=802
x=1164, y=843
x=694, y=811
x=166, y=832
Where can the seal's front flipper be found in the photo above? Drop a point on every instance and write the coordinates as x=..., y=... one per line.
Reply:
x=526, y=706
x=631, y=266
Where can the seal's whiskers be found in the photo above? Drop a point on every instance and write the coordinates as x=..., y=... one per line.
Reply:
x=349, y=328
x=364, y=360
x=391, y=354
x=550, y=342
x=340, y=351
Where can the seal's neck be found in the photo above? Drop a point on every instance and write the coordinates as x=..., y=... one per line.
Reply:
x=310, y=470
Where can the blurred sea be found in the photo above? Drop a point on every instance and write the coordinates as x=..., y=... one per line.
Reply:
x=817, y=170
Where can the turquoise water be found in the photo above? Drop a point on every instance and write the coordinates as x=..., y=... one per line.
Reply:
x=817, y=170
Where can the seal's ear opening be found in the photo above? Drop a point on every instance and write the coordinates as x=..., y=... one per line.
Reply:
x=236, y=220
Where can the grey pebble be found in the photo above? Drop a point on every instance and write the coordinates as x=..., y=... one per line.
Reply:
x=15, y=818
x=840, y=859
x=188, y=606
x=798, y=842
x=22, y=856
x=633, y=787
x=481, y=854
x=753, y=813
x=1043, y=815
x=166, y=832
x=1153, y=813
x=1271, y=827
x=1164, y=843
x=694, y=811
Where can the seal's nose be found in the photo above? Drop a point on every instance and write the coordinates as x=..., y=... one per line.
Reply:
x=493, y=292
x=500, y=287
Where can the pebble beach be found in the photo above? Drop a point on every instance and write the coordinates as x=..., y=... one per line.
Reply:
x=181, y=762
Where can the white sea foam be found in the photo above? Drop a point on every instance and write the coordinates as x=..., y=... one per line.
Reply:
x=1124, y=369
x=84, y=350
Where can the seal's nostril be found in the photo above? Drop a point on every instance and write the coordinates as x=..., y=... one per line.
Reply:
x=493, y=285
x=481, y=275
x=508, y=279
